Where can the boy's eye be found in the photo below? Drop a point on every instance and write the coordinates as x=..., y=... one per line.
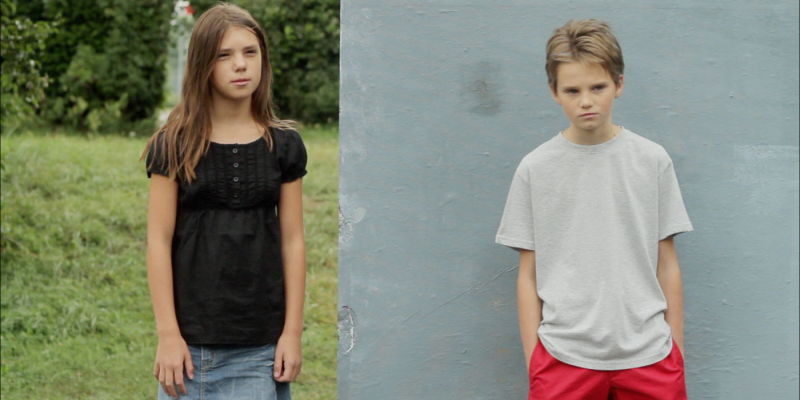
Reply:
x=600, y=87
x=571, y=91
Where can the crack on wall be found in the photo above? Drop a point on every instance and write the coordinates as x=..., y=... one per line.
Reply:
x=475, y=287
x=454, y=298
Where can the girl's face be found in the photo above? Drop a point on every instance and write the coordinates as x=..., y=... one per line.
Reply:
x=237, y=70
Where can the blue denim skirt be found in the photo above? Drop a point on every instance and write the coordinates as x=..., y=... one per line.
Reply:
x=232, y=373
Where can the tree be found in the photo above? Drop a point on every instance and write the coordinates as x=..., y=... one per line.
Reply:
x=107, y=61
x=22, y=84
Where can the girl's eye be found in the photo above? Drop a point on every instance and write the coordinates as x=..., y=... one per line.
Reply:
x=222, y=55
x=251, y=52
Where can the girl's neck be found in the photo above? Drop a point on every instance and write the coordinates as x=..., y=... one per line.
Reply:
x=232, y=121
x=227, y=114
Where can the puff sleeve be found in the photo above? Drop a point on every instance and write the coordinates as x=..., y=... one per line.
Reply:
x=291, y=154
x=154, y=162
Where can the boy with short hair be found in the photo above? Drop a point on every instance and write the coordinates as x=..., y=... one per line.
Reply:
x=593, y=212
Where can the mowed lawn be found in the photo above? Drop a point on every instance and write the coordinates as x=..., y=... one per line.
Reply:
x=77, y=321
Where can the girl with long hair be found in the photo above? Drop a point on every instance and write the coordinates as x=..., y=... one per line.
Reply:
x=225, y=246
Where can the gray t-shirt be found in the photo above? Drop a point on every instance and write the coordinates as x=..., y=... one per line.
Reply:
x=594, y=216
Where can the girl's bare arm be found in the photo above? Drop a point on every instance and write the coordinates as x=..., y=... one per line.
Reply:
x=288, y=355
x=173, y=354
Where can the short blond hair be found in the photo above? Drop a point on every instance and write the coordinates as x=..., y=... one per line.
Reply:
x=587, y=41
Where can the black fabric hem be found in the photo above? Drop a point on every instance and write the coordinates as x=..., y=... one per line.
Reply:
x=269, y=339
x=293, y=177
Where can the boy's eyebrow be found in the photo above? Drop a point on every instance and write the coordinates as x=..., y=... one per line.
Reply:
x=592, y=85
x=251, y=47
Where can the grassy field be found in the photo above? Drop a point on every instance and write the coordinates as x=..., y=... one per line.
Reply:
x=77, y=322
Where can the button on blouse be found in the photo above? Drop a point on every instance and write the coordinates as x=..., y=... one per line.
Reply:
x=226, y=252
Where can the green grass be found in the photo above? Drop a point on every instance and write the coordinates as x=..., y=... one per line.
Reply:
x=76, y=318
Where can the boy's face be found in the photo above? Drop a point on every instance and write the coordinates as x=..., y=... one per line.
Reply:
x=586, y=92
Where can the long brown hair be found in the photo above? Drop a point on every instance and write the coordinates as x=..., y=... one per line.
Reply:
x=185, y=137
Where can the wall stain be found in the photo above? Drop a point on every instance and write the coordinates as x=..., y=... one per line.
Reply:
x=349, y=216
x=346, y=325
x=770, y=176
x=481, y=89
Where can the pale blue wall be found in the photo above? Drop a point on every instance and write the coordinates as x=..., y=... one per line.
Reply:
x=439, y=102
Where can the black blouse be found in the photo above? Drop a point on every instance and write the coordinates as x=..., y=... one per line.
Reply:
x=226, y=251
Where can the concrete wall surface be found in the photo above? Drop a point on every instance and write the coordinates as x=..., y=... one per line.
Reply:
x=441, y=99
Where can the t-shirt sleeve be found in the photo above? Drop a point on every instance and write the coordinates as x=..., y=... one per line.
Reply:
x=672, y=216
x=292, y=157
x=516, y=225
x=154, y=162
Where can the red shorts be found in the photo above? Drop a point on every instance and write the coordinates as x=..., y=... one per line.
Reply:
x=553, y=379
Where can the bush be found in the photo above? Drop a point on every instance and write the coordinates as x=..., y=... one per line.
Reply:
x=106, y=65
x=108, y=60
x=23, y=84
x=303, y=40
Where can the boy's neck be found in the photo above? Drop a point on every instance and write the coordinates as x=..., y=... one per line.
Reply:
x=591, y=137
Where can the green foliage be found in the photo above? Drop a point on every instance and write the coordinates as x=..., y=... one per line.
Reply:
x=303, y=38
x=22, y=82
x=76, y=320
x=108, y=60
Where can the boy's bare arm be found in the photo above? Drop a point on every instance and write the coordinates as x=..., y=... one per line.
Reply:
x=669, y=277
x=529, y=305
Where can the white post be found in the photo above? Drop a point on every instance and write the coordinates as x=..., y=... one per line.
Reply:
x=182, y=23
